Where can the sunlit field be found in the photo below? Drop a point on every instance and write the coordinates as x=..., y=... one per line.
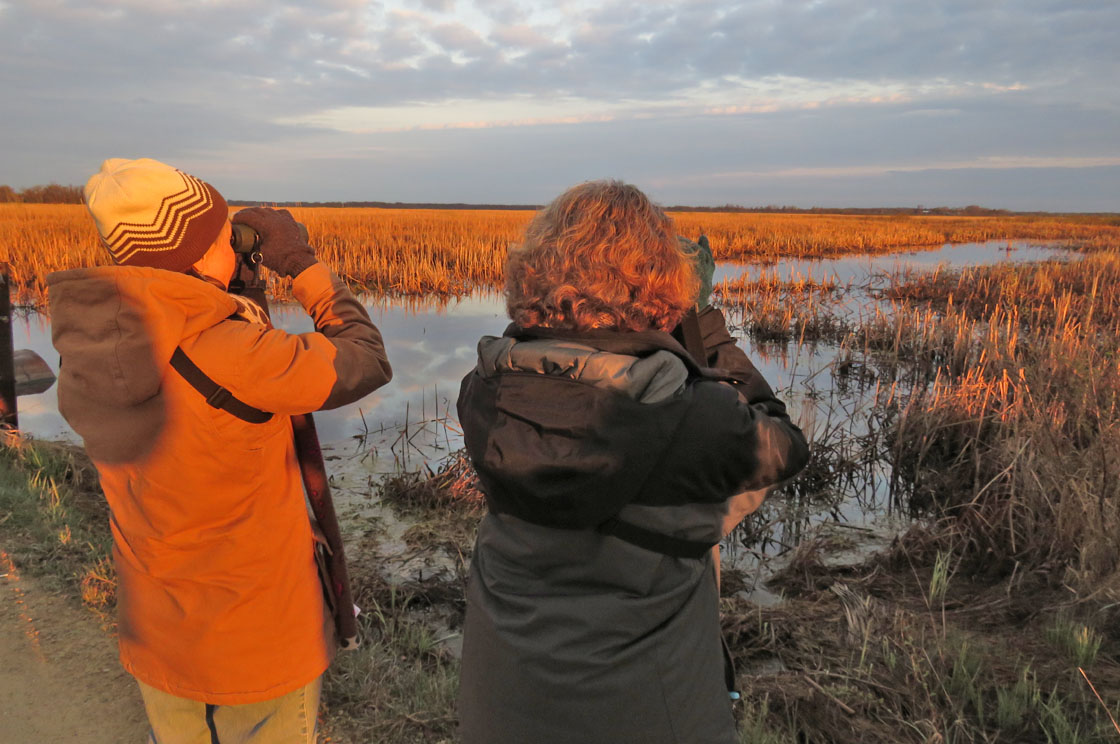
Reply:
x=450, y=252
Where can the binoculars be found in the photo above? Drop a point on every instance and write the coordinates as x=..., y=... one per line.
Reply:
x=247, y=241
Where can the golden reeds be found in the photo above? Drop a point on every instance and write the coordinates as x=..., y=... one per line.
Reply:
x=448, y=252
x=1013, y=426
x=769, y=237
x=776, y=309
x=998, y=392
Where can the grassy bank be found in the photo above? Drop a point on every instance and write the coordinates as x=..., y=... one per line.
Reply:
x=898, y=651
x=54, y=521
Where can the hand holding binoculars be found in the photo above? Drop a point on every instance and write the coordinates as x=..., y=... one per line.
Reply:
x=247, y=242
x=270, y=237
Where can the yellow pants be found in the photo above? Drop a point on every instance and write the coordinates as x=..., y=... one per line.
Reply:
x=288, y=719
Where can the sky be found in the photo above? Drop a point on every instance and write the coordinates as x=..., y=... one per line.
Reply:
x=1002, y=103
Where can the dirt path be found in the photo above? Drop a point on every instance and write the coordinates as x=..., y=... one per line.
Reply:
x=60, y=680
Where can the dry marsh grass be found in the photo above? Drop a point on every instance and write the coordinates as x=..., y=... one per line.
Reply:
x=997, y=400
x=762, y=237
x=1012, y=428
x=779, y=310
x=446, y=252
x=997, y=409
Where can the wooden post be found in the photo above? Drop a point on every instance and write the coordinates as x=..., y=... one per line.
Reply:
x=8, y=415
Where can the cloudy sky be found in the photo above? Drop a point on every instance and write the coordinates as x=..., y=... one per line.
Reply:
x=1004, y=103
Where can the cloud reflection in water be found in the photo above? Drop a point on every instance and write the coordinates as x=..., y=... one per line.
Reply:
x=431, y=345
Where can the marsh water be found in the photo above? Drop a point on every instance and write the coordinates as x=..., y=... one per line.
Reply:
x=410, y=424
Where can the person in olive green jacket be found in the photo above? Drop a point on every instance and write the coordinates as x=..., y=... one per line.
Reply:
x=612, y=462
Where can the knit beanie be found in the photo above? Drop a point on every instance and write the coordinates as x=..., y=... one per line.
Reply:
x=150, y=214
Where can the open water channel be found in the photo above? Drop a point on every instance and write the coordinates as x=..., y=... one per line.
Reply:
x=410, y=424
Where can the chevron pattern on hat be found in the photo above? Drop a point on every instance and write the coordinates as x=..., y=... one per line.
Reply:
x=150, y=214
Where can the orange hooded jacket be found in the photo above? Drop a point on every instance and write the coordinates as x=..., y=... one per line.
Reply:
x=218, y=597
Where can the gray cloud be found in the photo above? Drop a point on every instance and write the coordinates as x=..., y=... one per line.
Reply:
x=618, y=48
x=894, y=155
x=207, y=84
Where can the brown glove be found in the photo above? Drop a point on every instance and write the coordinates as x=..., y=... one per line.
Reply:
x=283, y=248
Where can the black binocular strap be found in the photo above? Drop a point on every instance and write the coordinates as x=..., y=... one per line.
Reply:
x=692, y=338
x=658, y=542
x=216, y=395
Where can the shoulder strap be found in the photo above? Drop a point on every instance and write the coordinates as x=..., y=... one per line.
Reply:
x=216, y=395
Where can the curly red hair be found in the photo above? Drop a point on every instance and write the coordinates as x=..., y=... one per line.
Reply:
x=601, y=255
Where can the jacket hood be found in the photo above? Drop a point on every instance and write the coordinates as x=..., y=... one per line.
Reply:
x=650, y=379
x=115, y=327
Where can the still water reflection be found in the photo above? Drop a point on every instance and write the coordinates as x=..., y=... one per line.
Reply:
x=431, y=345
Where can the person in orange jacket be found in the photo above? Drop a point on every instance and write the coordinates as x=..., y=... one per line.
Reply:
x=221, y=613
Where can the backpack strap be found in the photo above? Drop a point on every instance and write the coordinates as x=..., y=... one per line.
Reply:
x=658, y=542
x=216, y=395
x=690, y=335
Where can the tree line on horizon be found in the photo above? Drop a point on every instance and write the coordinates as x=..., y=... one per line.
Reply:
x=971, y=210
x=52, y=193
